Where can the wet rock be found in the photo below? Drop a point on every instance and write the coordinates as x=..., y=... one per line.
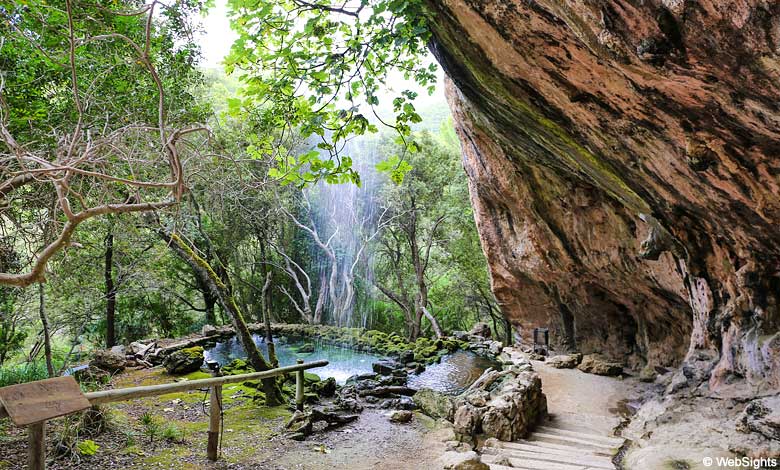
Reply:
x=564, y=361
x=761, y=416
x=184, y=361
x=401, y=416
x=109, y=360
x=325, y=388
x=596, y=364
x=480, y=329
x=385, y=367
x=406, y=356
x=434, y=404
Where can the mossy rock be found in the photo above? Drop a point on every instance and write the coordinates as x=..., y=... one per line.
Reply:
x=237, y=367
x=184, y=361
x=309, y=378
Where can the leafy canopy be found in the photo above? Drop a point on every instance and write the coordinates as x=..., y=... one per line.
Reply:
x=319, y=68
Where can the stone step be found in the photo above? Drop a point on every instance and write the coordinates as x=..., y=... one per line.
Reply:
x=613, y=441
x=595, y=424
x=579, y=442
x=552, y=455
x=531, y=464
x=559, y=446
x=525, y=446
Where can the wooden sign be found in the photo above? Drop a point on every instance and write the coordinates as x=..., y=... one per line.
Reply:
x=34, y=402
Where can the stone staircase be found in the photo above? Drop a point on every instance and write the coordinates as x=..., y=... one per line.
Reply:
x=568, y=442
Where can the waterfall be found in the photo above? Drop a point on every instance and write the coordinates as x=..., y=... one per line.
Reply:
x=347, y=217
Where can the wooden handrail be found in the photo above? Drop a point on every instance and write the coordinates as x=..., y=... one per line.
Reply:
x=131, y=393
x=123, y=394
x=37, y=431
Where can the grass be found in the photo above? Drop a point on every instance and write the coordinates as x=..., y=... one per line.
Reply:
x=23, y=373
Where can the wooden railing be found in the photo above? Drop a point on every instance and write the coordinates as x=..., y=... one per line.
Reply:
x=36, y=453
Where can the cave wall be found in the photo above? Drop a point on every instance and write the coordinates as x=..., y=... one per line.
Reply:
x=624, y=166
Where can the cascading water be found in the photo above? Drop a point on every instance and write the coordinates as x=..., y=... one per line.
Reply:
x=347, y=218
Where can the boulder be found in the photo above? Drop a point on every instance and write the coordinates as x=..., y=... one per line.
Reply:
x=596, y=364
x=480, y=329
x=109, y=360
x=470, y=460
x=564, y=361
x=401, y=416
x=406, y=356
x=495, y=347
x=434, y=404
x=184, y=361
x=306, y=348
x=761, y=416
x=209, y=330
x=385, y=367
x=325, y=388
x=91, y=374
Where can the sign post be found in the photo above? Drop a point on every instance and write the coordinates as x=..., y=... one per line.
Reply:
x=32, y=404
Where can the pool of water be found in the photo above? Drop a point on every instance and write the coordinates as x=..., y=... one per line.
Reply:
x=454, y=374
x=344, y=362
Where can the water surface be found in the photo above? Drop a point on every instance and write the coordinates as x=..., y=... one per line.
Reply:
x=344, y=362
x=454, y=374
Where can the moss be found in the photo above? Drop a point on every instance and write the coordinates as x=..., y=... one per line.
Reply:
x=194, y=352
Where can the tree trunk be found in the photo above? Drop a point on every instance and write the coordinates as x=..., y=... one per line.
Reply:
x=266, y=312
x=221, y=292
x=209, y=302
x=46, y=337
x=434, y=323
x=110, y=290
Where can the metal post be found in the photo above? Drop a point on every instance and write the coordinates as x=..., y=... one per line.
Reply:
x=299, y=379
x=36, y=446
x=215, y=418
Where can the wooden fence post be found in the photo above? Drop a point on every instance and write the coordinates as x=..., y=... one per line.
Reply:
x=36, y=446
x=215, y=419
x=299, y=380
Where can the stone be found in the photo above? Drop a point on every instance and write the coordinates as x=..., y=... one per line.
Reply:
x=480, y=329
x=401, y=416
x=761, y=416
x=325, y=388
x=467, y=420
x=596, y=364
x=452, y=460
x=495, y=348
x=434, y=404
x=92, y=375
x=406, y=356
x=109, y=360
x=564, y=361
x=460, y=335
x=306, y=348
x=184, y=361
x=385, y=367
x=647, y=374
x=208, y=330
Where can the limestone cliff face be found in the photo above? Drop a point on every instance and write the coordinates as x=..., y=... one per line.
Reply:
x=624, y=163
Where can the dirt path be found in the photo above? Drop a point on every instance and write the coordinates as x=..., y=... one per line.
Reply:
x=605, y=400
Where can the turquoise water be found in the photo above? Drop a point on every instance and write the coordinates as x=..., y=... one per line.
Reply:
x=454, y=374
x=344, y=362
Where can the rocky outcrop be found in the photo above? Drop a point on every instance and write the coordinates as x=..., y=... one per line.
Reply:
x=505, y=404
x=622, y=163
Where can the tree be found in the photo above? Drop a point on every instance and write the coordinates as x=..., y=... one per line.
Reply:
x=89, y=142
